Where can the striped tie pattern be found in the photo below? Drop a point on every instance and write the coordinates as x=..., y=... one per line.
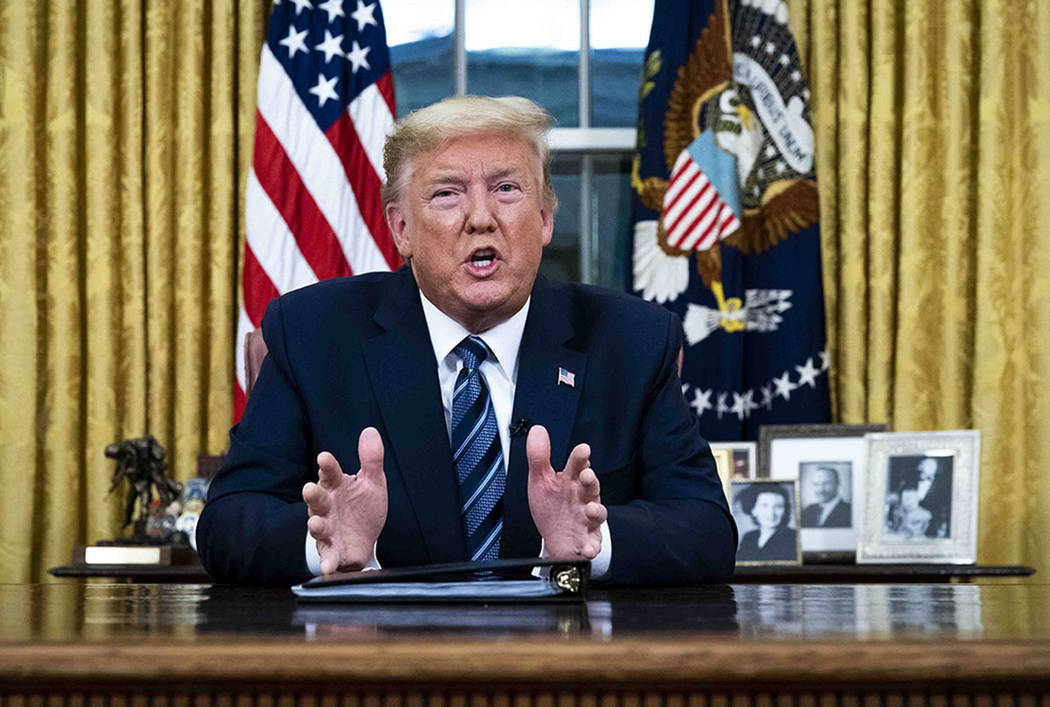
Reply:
x=477, y=453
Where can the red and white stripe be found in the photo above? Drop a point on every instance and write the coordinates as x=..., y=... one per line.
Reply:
x=694, y=215
x=312, y=205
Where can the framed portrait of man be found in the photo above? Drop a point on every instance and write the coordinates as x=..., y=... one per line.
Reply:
x=828, y=461
x=918, y=497
x=921, y=498
x=826, y=491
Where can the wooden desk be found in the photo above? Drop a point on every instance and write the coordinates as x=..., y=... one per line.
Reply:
x=878, y=574
x=803, y=574
x=128, y=645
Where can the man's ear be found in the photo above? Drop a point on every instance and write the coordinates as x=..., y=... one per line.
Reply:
x=395, y=220
x=548, y=225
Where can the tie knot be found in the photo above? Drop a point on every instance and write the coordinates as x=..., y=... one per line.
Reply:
x=471, y=351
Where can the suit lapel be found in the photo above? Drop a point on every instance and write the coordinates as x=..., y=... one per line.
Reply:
x=542, y=400
x=404, y=378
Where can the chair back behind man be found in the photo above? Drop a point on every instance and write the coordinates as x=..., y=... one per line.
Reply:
x=254, y=352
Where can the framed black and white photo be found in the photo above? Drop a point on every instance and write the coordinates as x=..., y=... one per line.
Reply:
x=921, y=498
x=766, y=514
x=828, y=461
x=826, y=493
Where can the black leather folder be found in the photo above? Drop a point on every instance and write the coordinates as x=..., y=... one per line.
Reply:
x=512, y=580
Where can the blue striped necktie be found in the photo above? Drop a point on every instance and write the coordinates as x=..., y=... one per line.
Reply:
x=477, y=453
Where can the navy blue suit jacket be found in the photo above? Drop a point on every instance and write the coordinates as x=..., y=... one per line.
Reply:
x=350, y=353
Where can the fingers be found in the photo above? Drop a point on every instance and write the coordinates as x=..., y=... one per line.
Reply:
x=370, y=452
x=595, y=513
x=318, y=500
x=319, y=527
x=329, y=473
x=579, y=459
x=592, y=545
x=589, y=487
x=538, y=450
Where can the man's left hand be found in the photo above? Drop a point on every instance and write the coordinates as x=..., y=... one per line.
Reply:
x=566, y=506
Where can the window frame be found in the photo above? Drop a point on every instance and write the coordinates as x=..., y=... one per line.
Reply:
x=585, y=141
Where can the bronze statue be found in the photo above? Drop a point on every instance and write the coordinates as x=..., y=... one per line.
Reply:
x=141, y=462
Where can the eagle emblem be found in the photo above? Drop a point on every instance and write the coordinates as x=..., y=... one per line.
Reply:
x=738, y=150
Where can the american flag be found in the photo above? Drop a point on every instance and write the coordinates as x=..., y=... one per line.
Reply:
x=694, y=213
x=312, y=207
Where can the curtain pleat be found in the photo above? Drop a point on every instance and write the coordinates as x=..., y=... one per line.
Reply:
x=53, y=508
x=114, y=337
x=21, y=356
x=1011, y=278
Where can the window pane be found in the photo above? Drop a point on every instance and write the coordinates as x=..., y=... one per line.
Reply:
x=619, y=36
x=527, y=49
x=421, y=51
x=612, y=209
x=561, y=259
x=610, y=213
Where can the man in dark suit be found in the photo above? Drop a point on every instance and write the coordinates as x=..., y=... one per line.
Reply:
x=458, y=385
x=829, y=510
x=933, y=486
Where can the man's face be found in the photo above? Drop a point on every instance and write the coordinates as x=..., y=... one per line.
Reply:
x=825, y=485
x=927, y=470
x=472, y=222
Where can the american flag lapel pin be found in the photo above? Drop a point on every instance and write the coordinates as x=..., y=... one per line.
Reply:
x=566, y=377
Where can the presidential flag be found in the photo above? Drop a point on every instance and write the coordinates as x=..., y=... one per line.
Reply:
x=312, y=207
x=725, y=212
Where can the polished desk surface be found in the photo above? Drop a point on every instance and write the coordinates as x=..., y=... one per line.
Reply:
x=673, y=635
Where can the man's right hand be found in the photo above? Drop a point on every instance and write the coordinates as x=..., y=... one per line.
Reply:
x=347, y=512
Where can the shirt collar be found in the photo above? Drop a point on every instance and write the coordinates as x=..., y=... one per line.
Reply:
x=504, y=339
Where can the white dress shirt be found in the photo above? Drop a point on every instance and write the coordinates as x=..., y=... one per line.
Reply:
x=500, y=369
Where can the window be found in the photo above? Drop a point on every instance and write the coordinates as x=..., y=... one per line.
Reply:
x=579, y=59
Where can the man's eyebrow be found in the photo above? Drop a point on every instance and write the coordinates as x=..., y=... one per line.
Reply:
x=447, y=177
x=505, y=172
x=451, y=176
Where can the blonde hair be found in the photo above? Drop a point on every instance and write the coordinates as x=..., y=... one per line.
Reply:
x=425, y=129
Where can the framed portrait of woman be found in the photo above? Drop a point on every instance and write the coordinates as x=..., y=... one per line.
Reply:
x=767, y=518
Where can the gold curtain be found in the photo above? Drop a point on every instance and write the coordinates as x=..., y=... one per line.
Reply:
x=932, y=125
x=125, y=137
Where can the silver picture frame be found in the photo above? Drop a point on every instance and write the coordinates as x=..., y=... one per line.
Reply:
x=921, y=498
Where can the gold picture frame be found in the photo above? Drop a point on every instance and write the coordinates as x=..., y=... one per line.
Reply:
x=749, y=508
